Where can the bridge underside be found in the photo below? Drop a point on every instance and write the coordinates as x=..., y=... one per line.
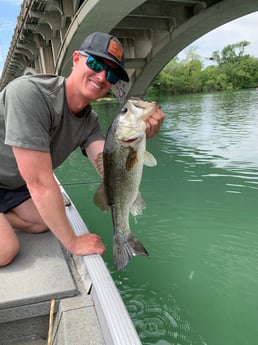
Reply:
x=152, y=33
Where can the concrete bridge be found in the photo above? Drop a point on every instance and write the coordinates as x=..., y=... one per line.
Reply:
x=152, y=33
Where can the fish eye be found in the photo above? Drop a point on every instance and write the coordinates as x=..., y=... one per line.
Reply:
x=124, y=110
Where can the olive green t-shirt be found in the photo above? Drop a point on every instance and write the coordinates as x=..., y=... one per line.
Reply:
x=34, y=115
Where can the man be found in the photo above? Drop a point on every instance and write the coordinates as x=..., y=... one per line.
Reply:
x=42, y=120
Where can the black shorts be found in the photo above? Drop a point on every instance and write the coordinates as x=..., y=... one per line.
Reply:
x=11, y=198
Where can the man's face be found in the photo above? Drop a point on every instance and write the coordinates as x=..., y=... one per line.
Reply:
x=92, y=85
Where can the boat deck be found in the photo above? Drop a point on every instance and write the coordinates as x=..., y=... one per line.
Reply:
x=41, y=272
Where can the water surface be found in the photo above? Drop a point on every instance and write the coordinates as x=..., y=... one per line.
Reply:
x=200, y=284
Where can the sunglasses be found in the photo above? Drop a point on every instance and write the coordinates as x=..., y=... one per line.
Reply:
x=99, y=66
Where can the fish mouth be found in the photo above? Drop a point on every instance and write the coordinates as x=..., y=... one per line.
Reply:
x=132, y=140
x=129, y=141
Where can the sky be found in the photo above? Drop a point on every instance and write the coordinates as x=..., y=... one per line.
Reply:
x=9, y=11
x=241, y=29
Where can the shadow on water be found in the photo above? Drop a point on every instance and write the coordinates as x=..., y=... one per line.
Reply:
x=200, y=225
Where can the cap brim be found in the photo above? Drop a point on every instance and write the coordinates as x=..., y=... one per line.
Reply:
x=119, y=71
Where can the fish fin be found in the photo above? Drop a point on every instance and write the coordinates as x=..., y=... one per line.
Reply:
x=100, y=198
x=124, y=248
x=138, y=205
x=99, y=164
x=149, y=159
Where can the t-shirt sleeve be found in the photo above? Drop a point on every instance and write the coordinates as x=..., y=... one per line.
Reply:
x=28, y=119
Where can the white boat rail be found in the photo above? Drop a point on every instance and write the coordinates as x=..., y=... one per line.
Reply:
x=114, y=319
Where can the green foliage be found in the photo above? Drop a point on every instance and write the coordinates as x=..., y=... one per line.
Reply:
x=233, y=69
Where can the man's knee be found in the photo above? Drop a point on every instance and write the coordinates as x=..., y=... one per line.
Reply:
x=9, y=252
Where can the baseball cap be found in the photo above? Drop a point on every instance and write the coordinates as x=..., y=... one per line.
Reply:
x=100, y=44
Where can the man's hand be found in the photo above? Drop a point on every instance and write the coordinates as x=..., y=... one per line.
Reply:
x=87, y=244
x=154, y=122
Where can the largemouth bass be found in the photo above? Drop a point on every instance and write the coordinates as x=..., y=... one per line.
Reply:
x=124, y=157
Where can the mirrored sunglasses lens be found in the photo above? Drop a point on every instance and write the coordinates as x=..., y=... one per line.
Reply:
x=95, y=65
x=112, y=77
x=98, y=66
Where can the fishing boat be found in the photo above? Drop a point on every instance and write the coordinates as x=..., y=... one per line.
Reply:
x=48, y=296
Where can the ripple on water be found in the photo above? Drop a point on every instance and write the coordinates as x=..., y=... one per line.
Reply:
x=158, y=320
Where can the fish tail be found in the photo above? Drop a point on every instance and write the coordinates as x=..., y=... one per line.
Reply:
x=124, y=248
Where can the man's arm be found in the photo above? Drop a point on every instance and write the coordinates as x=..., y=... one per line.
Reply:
x=36, y=169
x=95, y=154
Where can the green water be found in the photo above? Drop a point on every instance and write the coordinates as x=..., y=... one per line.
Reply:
x=200, y=285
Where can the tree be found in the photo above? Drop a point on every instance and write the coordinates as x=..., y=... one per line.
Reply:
x=231, y=53
x=214, y=81
x=233, y=70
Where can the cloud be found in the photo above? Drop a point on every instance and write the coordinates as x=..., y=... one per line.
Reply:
x=241, y=29
x=6, y=25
